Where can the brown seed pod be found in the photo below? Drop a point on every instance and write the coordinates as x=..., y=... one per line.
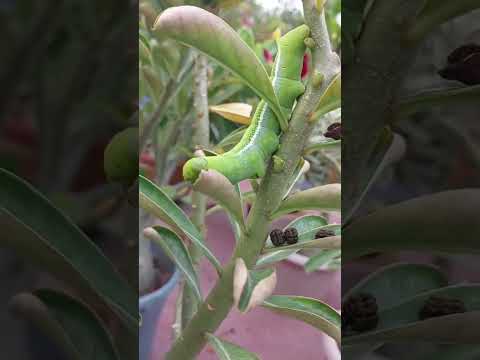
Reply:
x=277, y=238
x=463, y=65
x=334, y=131
x=462, y=52
x=322, y=233
x=360, y=312
x=334, y=126
x=441, y=306
x=291, y=236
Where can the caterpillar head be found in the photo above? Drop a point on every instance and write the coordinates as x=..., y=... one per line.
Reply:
x=193, y=167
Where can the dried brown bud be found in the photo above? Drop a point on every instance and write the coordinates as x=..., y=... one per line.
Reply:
x=441, y=306
x=360, y=312
x=334, y=131
x=277, y=238
x=291, y=236
x=463, y=65
x=324, y=233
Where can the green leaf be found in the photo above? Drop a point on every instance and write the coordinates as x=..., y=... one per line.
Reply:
x=435, y=13
x=322, y=146
x=230, y=140
x=448, y=352
x=358, y=186
x=302, y=168
x=178, y=253
x=328, y=243
x=325, y=197
x=39, y=231
x=391, y=285
x=436, y=98
x=228, y=351
x=252, y=287
x=307, y=226
x=432, y=223
x=312, y=311
x=154, y=201
x=198, y=28
x=331, y=99
x=236, y=227
x=395, y=283
x=401, y=322
x=460, y=328
x=70, y=324
x=322, y=258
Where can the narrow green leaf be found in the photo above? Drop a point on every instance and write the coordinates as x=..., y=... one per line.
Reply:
x=321, y=259
x=154, y=201
x=401, y=322
x=436, y=97
x=395, y=283
x=70, y=324
x=39, y=231
x=432, y=223
x=230, y=140
x=228, y=351
x=323, y=145
x=436, y=13
x=331, y=98
x=460, y=328
x=312, y=311
x=325, y=197
x=236, y=227
x=327, y=243
x=202, y=30
x=448, y=352
x=307, y=226
x=302, y=168
x=178, y=253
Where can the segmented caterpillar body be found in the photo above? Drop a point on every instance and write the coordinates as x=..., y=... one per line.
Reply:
x=249, y=158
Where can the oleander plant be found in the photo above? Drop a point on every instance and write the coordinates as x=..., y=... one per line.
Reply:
x=294, y=119
x=405, y=302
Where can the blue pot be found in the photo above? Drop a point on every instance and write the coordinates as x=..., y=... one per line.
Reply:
x=151, y=306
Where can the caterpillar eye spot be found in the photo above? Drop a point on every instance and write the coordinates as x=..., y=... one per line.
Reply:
x=441, y=306
x=360, y=313
x=291, y=236
x=324, y=233
x=277, y=238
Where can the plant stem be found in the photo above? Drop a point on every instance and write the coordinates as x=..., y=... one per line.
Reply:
x=171, y=91
x=220, y=300
x=201, y=138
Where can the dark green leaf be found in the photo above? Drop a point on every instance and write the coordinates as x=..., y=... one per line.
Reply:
x=33, y=227
x=154, y=201
x=68, y=323
x=311, y=311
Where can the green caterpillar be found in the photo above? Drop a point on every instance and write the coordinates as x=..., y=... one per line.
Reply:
x=248, y=159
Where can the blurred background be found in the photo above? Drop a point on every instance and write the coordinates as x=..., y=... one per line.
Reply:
x=437, y=150
x=69, y=82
